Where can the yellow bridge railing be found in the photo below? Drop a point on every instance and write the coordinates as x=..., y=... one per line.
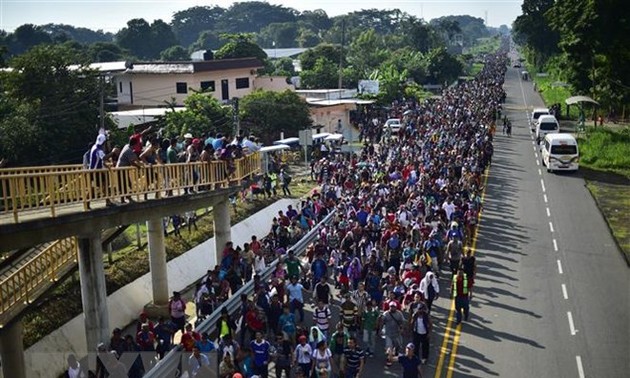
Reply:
x=48, y=188
x=36, y=276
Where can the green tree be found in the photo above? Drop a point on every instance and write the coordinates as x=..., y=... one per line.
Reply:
x=252, y=16
x=442, y=66
x=175, y=54
x=162, y=37
x=307, y=38
x=240, y=46
x=366, y=53
x=107, y=52
x=325, y=50
x=190, y=23
x=282, y=67
x=391, y=82
x=203, y=114
x=136, y=38
x=281, y=34
x=49, y=111
x=267, y=113
x=25, y=37
x=208, y=40
x=316, y=20
x=325, y=74
x=532, y=30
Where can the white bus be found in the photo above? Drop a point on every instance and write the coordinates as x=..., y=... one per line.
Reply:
x=560, y=152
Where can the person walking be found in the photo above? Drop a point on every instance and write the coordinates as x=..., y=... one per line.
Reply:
x=353, y=360
x=392, y=321
x=462, y=292
x=285, y=180
x=303, y=356
x=430, y=289
x=410, y=363
x=261, y=350
x=421, y=328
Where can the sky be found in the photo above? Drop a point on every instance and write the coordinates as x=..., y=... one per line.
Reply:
x=112, y=15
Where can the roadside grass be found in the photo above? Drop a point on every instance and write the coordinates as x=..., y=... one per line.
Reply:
x=613, y=201
x=606, y=149
x=130, y=262
x=605, y=163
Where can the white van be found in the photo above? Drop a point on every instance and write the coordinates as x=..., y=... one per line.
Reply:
x=536, y=113
x=560, y=153
x=547, y=124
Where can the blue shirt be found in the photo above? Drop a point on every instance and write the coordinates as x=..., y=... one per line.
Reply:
x=362, y=217
x=261, y=352
x=206, y=347
x=295, y=292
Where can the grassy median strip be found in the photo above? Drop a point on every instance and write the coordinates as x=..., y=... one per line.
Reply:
x=130, y=263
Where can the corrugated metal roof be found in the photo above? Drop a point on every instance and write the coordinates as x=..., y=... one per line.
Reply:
x=161, y=68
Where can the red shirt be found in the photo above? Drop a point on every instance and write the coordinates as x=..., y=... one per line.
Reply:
x=253, y=322
x=189, y=339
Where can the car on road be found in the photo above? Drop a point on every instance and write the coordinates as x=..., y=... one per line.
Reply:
x=547, y=124
x=536, y=113
x=394, y=124
x=517, y=65
x=560, y=152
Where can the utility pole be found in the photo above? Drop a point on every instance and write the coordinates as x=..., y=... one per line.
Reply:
x=237, y=121
x=343, y=35
x=101, y=108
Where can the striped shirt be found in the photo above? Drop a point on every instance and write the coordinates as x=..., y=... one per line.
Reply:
x=349, y=312
x=360, y=299
x=321, y=318
x=353, y=357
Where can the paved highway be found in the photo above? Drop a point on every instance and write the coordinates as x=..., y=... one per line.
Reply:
x=552, y=292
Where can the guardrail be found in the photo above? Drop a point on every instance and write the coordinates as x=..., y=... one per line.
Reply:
x=33, y=278
x=52, y=187
x=171, y=362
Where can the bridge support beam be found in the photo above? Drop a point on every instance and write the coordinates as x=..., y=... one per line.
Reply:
x=93, y=291
x=12, y=351
x=157, y=264
x=222, y=226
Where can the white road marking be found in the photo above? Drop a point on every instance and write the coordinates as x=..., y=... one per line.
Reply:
x=571, y=325
x=559, y=267
x=542, y=183
x=548, y=212
x=536, y=154
x=534, y=148
x=539, y=172
x=578, y=360
x=564, y=291
x=537, y=162
x=545, y=197
x=551, y=226
x=534, y=142
x=555, y=245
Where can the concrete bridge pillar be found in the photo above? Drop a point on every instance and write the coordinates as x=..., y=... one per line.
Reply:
x=12, y=351
x=157, y=264
x=222, y=226
x=93, y=291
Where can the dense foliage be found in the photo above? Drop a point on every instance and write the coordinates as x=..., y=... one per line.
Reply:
x=267, y=113
x=584, y=42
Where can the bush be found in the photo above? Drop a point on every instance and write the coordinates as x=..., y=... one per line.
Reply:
x=606, y=149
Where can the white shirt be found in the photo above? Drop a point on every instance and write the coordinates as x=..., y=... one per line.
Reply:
x=75, y=373
x=303, y=353
x=419, y=327
x=259, y=264
x=429, y=279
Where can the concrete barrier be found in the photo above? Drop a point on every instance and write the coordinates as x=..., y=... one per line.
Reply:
x=47, y=358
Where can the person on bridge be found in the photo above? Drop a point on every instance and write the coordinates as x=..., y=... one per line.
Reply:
x=462, y=292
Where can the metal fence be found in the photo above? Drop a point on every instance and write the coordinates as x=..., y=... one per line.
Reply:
x=171, y=362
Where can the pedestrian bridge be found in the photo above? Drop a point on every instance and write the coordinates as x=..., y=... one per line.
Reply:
x=55, y=218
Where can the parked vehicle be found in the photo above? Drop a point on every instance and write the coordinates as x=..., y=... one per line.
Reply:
x=560, y=152
x=547, y=124
x=536, y=113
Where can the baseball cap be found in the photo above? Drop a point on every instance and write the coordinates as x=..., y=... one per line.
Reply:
x=302, y=338
x=393, y=304
x=188, y=136
x=411, y=346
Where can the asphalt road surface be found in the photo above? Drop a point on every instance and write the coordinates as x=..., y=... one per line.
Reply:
x=552, y=292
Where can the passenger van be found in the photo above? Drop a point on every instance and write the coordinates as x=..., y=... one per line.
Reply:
x=536, y=114
x=547, y=124
x=560, y=152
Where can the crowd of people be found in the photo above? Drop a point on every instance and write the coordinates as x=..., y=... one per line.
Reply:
x=406, y=209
